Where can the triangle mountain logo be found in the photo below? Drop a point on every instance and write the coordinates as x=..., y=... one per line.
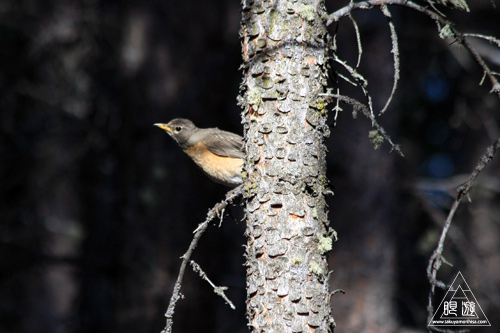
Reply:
x=459, y=307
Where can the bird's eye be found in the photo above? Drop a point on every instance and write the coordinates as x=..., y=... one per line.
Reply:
x=178, y=129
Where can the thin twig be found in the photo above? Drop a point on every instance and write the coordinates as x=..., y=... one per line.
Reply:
x=460, y=4
x=369, y=4
x=345, y=78
x=217, y=289
x=363, y=83
x=459, y=37
x=395, y=53
x=358, y=106
x=358, y=39
x=337, y=108
x=213, y=213
x=486, y=37
x=437, y=258
x=491, y=75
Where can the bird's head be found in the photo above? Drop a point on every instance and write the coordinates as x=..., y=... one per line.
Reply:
x=180, y=129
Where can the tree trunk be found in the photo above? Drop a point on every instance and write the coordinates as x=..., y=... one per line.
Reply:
x=285, y=51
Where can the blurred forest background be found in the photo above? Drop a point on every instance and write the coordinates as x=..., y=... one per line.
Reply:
x=97, y=205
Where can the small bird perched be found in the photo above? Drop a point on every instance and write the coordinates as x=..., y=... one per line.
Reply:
x=218, y=153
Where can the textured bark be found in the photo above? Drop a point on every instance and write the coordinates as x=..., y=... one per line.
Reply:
x=285, y=50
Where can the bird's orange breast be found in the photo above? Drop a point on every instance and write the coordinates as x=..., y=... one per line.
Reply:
x=222, y=169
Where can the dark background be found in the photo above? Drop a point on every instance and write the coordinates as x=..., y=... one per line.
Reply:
x=97, y=205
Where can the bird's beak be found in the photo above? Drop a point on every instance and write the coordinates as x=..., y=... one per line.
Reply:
x=164, y=127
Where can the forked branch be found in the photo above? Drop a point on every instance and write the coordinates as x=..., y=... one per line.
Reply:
x=231, y=197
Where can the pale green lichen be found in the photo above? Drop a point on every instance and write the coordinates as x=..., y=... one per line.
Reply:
x=297, y=260
x=261, y=43
x=250, y=184
x=324, y=244
x=323, y=14
x=323, y=180
x=376, y=138
x=274, y=18
x=306, y=12
x=254, y=96
x=267, y=83
x=315, y=268
x=320, y=105
x=446, y=32
x=249, y=188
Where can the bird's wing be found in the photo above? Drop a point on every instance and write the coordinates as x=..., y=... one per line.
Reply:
x=226, y=144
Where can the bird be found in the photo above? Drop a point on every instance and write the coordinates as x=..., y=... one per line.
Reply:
x=218, y=153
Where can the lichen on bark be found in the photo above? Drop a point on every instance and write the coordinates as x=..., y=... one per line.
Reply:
x=285, y=48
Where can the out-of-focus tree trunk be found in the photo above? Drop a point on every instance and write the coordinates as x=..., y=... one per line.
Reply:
x=285, y=51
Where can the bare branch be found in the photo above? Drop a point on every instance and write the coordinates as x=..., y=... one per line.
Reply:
x=491, y=75
x=363, y=83
x=460, y=4
x=437, y=258
x=488, y=38
x=337, y=108
x=369, y=4
x=357, y=106
x=358, y=39
x=442, y=22
x=213, y=213
x=345, y=78
x=395, y=53
x=217, y=289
